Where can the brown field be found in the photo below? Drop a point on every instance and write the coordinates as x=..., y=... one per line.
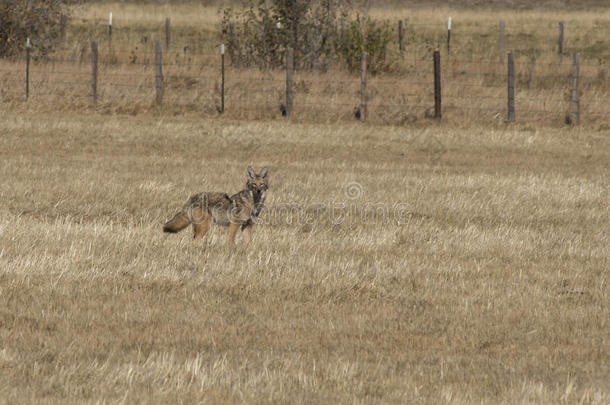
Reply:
x=392, y=264
x=462, y=261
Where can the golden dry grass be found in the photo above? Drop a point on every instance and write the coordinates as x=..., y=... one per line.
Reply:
x=479, y=275
x=150, y=14
x=449, y=262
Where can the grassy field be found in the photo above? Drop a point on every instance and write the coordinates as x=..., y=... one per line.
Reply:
x=456, y=261
x=391, y=264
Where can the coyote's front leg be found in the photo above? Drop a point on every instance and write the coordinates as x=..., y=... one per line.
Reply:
x=248, y=233
x=233, y=227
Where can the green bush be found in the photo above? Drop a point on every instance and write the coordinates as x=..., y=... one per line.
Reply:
x=38, y=20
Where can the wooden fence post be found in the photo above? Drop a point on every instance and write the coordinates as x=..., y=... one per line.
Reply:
x=289, y=67
x=401, y=45
x=222, y=84
x=502, y=40
x=158, y=72
x=575, y=116
x=363, y=87
x=27, y=68
x=167, y=33
x=560, y=45
x=437, y=85
x=94, y=71
x=511, y=88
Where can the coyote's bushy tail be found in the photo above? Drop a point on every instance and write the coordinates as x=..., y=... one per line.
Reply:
x=180, y=221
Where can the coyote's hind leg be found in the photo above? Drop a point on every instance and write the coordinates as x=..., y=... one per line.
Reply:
x=201, y=223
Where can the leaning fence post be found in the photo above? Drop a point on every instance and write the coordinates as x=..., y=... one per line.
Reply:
x=94, y=71
x=222, y=82
x=575, y=116
x=437, y=84
x=289, y=67
x=158, y=72
x=363, y=87
x=27, y=68
x=167, y=33
x=511, y=88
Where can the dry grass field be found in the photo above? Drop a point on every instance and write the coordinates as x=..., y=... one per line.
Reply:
x=391, y=264
x=460, y=261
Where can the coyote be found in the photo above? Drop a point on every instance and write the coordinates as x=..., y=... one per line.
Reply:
x=235, y=211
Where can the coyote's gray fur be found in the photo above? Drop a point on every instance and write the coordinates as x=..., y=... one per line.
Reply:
x=235, y=211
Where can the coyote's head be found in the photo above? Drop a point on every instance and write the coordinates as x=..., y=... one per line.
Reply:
x=257, y=183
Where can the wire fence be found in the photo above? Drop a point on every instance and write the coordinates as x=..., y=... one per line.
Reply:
x=128, y=80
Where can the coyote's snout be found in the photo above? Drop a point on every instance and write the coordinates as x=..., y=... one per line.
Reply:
x=235, y=211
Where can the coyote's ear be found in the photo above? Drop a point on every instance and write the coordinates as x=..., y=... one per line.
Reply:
x=250, y=172
x=264, y=173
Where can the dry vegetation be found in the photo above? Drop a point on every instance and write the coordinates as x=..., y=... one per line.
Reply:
x=424, y=263
x=474, y=75
x=487, y=282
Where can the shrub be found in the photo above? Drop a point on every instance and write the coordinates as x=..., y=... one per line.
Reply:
x=364, y=35
x=38, y=20
x=258, y=35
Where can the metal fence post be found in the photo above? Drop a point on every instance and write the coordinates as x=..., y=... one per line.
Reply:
x=94, y=71
x=511, y=88
x=158, y=72
x=363, y=87
x=27, y=68
x=437, y=84
x=289, y=67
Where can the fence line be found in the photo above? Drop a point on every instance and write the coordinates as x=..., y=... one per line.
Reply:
x=113, y=56
x=206, y=84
